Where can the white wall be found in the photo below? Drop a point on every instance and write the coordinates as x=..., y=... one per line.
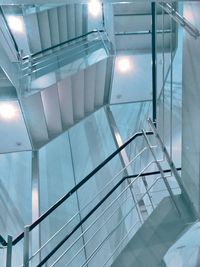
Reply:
x=191, y=108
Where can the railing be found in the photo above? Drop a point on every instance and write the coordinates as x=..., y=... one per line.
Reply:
x=74, y=189
x=76, y=53
x=115, y=201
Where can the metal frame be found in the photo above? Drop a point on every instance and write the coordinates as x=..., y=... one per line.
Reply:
x=77, y=198
x=9, y=252
x=154, y=63
x=88, y=215
x=36, y=237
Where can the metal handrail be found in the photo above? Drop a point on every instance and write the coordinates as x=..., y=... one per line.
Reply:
x=100, y=166
x=127, y=177
x=110, y=216
x=60, y=44
x=89, y=214
x=121, y=241
x=80, y=184
x=106, y=221
x=29, y=228
x=59, y=53
x=59, y=61
x=102, y=190
x=96, y=250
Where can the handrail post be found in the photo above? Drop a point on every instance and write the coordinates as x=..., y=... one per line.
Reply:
x=9, y=252
x=154, y=63
x=26, y=246
x=105, y=47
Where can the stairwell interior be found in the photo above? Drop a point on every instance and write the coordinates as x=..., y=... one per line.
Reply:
x=95, y=124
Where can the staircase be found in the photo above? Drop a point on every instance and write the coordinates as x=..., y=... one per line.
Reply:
x=159, y=232
x=55, y=25
x=67, y=72
x=110, y=230
x=55, y=96
x=52, y=111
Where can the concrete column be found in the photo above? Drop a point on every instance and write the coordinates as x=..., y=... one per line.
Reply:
x=191, y=108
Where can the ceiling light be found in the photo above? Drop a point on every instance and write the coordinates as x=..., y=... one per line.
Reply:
x=15, y=23
x=94, y=8
x=7, y=111
x=124, y=64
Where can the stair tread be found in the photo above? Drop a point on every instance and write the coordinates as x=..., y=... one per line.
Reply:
x=65, y=98
x=33, y=108
x=51, y=105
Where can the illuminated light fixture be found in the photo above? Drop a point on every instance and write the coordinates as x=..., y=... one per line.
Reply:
x=15, y=23
x=94, y=8
x=7, y=111
x=124, y=64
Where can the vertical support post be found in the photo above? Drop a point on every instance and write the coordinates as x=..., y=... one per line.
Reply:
x=140, y=206
x=77, y=198
x=26, y=247
x=35, y=201
x=171, y=87
x=154, y=63
x=9, y=252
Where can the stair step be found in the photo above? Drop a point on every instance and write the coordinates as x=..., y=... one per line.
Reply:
x=54, y=27
x=45, y=35
x=78, y=95
x=34, y=39
x=71, y=21
x=100, y=83
x=65, y=98
x=36, y=121
x=79, y=19
x=51, y=105
x=89, y=84
x=62, y=22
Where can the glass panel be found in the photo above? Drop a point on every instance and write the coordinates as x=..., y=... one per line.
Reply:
x=15, y=200
x=56, y=179
x=92, y=142
x=170, y=97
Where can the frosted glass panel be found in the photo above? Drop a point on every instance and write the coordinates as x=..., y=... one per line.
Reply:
x=56, y=179
x=15, y=197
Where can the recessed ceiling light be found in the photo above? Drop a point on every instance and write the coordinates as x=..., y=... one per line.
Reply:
x=7, y=111
x=124, y=64
x=15, y=23
x=94, y=7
